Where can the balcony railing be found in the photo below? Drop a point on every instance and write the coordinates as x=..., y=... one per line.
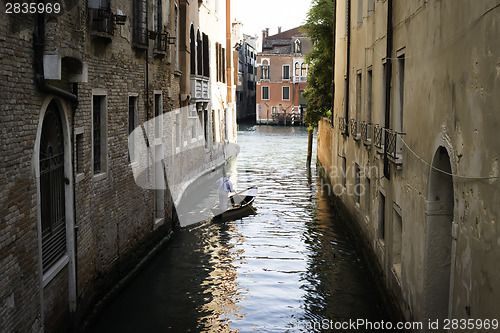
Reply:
x=102, y=20
x=200, y=88
x=161, y=42
x=378, y=136
x=394, y=145
x=297, y=79
x=366, y=132
x=354, y=129
x=343, y=125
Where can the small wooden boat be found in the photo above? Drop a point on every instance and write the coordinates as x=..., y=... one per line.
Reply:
x=240, y=205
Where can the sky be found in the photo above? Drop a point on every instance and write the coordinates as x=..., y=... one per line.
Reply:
x=256, y=15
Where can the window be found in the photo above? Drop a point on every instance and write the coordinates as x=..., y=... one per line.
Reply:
x=398, y=126
x=221, y=62
x=206, y=56
x=297, y=47
x=101, y=16
x=275, y=110
x=297, y=69
x=371, y=7
x=360, y=12
x=199, y=58
x=286, y=72
x=381, y=216
x=358, y=97
x=303, y=70
x=192, y=49
x=158, y=115
x=140, y=23
x=397, y=243
x=265, y=70
x=286, y=93
x=79, y=152
x=384, y=93
x=132, y=123
x=99, y=137
x=265, y=92
x=369, y=78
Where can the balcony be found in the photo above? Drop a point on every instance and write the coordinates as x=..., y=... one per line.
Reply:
x=297, y=79
x=343, y=126
x=161, y=44
x=366, y=133
x=102, y=24
x=394, y=146
x=354, y=129
x=378, y=136
x=200, y=88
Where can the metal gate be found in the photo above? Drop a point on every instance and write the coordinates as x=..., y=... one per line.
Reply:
x=52, y=188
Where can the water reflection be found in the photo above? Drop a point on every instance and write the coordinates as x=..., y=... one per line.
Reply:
x=290, y=265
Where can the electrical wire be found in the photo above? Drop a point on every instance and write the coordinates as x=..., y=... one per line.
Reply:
x=440, y=170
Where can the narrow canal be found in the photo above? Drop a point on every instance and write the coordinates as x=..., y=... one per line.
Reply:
x=289, y=268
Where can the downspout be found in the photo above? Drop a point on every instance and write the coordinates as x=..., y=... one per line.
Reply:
x=38, y=46
x=348, y=65
x=387, y=173
x=333, y=60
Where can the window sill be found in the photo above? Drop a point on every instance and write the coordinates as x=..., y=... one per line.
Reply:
x=100, y=176
x=54, y=270
x=79, y=177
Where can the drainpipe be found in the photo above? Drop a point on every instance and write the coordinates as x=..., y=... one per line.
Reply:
x=38, y=46
x=333, y=60
x=348, y=27
x=387, y=173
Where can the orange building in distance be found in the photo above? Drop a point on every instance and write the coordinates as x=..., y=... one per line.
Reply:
x=282, y=77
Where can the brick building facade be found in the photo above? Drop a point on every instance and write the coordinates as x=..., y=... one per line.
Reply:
x=75, y=83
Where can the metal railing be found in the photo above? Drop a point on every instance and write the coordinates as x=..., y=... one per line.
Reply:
x=161, y=42
x=378, y=136
x=394, y=144
x=354, y=127
x=102, y=20
x=366, y=131
x=343, y=125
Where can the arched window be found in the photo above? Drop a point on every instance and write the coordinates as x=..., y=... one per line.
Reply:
x=297, y=46
x=193, y=51
x=303, y=70
x=297, y=69
x=265, y=69
x=200, y=53
x=206, y=57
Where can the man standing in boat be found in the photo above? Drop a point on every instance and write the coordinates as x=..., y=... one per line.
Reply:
x=225, y=186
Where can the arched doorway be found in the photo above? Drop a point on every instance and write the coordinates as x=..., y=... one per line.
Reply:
x=52, y=188
x=52, y=160
x=438, y=247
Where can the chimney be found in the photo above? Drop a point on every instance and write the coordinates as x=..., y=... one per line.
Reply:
x=279, y=30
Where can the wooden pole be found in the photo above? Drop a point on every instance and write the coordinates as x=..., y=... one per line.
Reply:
x=309, y=146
